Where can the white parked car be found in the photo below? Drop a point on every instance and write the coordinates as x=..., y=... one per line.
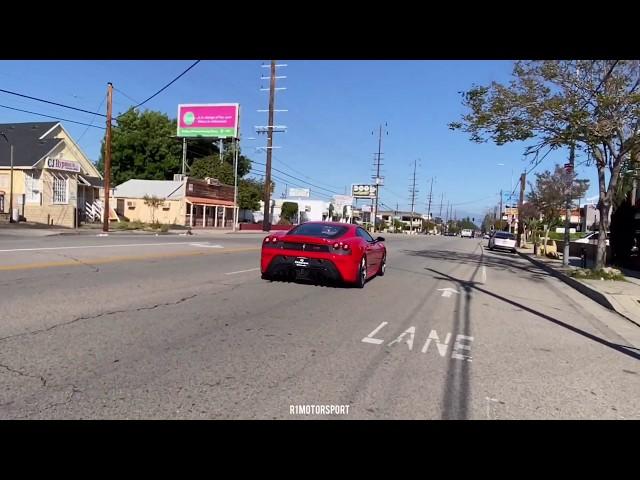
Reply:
x=466, y=233
x=503, y=241
x=591, y=238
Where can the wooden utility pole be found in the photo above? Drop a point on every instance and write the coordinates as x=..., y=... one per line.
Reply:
x=412, y=193
x=430, y=193
x=266, y=221
x=377, y=179
x=107, y=159
x=520, y=241
x=500, y=212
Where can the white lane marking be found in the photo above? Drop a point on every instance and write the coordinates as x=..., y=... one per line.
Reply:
x=205, y=245
x=411, y=331
x=242, y=271
x=458, y=347
x=442, y=346
x=369, y=338
x=91, y=246
x=484, y=274
x=446, y=292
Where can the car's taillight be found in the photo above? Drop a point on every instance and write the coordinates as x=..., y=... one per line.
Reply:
x=341, y=248
x=271, y=242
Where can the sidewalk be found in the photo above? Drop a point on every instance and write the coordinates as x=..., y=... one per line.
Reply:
x=622, y=297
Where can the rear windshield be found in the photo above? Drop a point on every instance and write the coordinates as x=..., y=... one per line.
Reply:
x=505, y=235
x=318, y=230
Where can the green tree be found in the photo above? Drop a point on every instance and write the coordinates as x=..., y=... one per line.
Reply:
x=142, y=147
x=467, y=224
x=549, y=196
x=289, y=211
x=153, y=202
x=593, y=105
x=487, y=222
x=250, y=192
x=529, y=215
x=212, y=166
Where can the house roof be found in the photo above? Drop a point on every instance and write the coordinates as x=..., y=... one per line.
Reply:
x=135, y=188
x=28, y=148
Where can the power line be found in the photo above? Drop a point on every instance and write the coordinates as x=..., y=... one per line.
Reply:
x=296, y=178
x=167, y=85
x=301, y=173
x=49, y=116
x=91, y=125
x=120, y=91
x=51, y=103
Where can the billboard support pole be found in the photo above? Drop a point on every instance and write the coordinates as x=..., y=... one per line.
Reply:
x=184, y=156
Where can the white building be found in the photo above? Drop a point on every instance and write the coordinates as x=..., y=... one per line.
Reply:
x=308, y=210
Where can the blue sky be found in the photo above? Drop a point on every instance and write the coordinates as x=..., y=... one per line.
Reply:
x=333, y=108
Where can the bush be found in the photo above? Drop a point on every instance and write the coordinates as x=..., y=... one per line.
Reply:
x=603, y=274
x=164, y=228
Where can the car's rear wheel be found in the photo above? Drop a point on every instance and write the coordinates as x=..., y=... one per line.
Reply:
x=362, y=273
x=383, y=266
x=266, y=276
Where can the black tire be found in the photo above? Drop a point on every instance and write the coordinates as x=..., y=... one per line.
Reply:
x=383, y=266
x=362, y=273
x=266, y=276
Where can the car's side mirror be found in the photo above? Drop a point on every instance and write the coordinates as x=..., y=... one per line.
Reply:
x=380, y=239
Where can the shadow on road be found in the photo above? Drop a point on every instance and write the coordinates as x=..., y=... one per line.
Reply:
x=501, y=261
x=467, y=285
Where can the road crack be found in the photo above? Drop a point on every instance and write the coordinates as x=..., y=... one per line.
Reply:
x=22, y=374
x=99, y=315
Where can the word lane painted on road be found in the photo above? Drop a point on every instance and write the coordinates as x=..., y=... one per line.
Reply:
x=461, y=349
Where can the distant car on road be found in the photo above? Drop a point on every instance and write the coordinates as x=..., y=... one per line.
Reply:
x=503, y=241
x=466, y=233
x=487, y=236
x=337, y=251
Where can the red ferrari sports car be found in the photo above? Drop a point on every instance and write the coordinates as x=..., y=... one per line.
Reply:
x=333, y=251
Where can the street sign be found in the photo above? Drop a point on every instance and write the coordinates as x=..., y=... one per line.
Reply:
x=361, y=190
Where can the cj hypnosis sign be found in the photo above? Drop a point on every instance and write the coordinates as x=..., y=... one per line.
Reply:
x=211, y=120
x=60, y=164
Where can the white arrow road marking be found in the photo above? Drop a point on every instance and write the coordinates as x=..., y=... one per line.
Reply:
x=369, y=338
x=446, y=292
x=205, y=245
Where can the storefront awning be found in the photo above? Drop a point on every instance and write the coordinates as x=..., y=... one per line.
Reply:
x=209, y=201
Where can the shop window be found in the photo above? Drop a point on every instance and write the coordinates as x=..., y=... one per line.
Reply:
x=32, y=187
x=60, y=190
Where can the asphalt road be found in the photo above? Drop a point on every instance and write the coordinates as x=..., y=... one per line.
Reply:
x=131, y=327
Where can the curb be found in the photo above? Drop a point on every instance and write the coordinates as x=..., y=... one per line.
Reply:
x=593, y=294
